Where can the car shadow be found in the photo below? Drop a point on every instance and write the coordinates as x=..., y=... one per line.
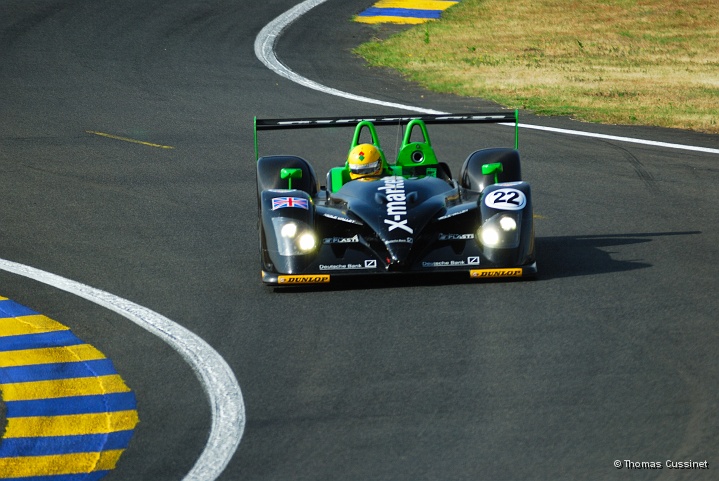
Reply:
x=571, y=256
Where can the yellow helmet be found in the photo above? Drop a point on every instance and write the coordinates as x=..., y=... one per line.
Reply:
x=364, y=160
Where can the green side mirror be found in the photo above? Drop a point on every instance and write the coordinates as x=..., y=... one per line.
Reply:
x=496, y=169
x=290, y=174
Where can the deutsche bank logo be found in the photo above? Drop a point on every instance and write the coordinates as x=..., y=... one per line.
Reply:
x=370, y=264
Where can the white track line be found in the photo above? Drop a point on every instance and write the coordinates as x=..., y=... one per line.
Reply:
x=265, y=52
x=215, y=375
x=653, y=143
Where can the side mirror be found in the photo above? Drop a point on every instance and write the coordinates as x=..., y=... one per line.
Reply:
x=290, y=174
x=496, y=169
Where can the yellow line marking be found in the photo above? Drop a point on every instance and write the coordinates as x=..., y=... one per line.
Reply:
x=127, y=139
x=71, y=425
x=48, y=355
x=21, y=467
x=33, y=324
x=387, y=19
x=415, y=4
x=60, y=388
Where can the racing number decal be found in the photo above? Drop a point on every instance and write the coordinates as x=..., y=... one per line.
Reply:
x=506, y=199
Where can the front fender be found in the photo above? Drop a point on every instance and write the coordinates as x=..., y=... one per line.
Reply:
x=506, y=236
x=289, y=240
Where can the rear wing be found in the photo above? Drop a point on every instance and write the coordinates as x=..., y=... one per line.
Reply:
x=324, y=122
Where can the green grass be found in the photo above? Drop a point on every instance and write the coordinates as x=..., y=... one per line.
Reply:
x=641, y=62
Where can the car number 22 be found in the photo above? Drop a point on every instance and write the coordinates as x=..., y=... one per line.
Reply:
x=506, y=199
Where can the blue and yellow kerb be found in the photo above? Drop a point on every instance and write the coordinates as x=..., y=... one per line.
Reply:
x=69, y=414
x=404, y=11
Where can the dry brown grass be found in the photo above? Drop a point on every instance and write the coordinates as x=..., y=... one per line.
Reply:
x=648, y=62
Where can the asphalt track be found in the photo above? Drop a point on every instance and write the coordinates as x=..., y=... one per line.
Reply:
x=610, y=355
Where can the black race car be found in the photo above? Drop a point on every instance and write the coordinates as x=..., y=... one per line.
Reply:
x=414, y=217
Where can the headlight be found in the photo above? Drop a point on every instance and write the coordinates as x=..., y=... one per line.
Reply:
x=289, y=230
x=507, y=223
x=500, y=231
x=490, y=236
x=306, y=242
x=294, y=237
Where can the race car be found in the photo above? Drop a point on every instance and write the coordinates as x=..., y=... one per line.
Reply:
x=408, y=216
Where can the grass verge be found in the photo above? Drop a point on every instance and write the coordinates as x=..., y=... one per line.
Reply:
x=637, y=62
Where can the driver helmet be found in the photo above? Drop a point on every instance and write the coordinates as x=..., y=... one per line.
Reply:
x=364, y=160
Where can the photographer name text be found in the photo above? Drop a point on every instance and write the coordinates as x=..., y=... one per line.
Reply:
x=668, y=464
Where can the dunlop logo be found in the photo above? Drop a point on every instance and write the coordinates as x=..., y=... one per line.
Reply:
x=487, y=273
x=307, y=279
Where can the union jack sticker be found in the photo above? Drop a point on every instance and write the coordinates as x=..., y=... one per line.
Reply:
x=282, y=202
